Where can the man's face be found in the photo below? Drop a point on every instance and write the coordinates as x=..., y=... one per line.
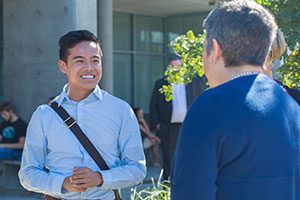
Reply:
x=83, y=67
x=175, y=63
x=6, y=115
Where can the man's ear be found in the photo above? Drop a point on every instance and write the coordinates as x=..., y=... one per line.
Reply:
x=62, y=66
x=215, y=50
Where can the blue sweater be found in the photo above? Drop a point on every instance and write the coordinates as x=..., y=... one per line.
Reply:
x=239, y=141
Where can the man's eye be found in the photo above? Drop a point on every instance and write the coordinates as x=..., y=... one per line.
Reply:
x=79, y=61
x=96, y=61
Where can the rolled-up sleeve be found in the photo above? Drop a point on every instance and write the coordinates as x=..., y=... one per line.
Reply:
x=133, y=165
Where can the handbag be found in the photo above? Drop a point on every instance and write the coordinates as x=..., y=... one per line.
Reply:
x=70, y=122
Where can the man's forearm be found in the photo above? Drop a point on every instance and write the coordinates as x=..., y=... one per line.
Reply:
x=123, y=176
x=12, y=145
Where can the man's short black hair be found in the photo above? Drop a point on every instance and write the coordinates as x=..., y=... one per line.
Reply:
x=135, y=110
x=71, y=39
x=174, y=58
x=6, y=106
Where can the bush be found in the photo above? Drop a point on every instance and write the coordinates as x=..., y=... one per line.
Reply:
x=159, y=191
x=190, y=48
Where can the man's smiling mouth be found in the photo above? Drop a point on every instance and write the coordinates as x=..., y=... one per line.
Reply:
x=87, y=76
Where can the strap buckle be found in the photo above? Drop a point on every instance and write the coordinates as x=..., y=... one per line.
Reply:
x=70, y=121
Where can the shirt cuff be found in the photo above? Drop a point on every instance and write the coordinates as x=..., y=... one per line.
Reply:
x=107, y=179
x=57, y=184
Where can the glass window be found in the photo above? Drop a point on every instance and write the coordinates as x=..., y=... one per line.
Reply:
x=193, y=22
x=149, y=38
x=149, y=34
x=178, y=25
x=148, y=70
x=122, y=31
x=173, y=27
x=123, y=77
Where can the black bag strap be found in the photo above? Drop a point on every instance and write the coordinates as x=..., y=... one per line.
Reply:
x=70, y=122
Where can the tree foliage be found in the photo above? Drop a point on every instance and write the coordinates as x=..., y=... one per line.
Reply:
x=287, y=15
x=190, y=48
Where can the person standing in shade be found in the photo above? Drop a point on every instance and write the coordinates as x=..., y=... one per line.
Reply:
x=108, y=122
x=149, y=140
x=240, y=139
x=167, y=117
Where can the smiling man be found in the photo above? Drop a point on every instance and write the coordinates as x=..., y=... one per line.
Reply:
x=107, y=121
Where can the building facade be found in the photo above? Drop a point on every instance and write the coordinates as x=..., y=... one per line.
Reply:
x=134, y=36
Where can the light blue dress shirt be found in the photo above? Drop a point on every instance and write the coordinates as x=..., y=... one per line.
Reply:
x=111, y=126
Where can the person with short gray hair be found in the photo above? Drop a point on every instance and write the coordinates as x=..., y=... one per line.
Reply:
x=240, y=139
x=244, y=34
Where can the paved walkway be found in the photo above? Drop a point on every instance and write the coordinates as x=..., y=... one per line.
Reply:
x=16, y=194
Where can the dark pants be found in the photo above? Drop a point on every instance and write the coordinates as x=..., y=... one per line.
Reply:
x=168, y=147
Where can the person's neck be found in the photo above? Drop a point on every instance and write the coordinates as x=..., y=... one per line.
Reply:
x=244, y=70
x=230, y=72
x=78, y=95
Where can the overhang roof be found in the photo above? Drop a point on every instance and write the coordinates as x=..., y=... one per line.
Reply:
x=163, y=7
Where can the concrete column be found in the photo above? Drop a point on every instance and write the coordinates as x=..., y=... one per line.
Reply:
x=86, y=15
x=32, y=29
x=105, y=33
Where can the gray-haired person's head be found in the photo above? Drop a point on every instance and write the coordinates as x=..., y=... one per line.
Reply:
x=243, y=29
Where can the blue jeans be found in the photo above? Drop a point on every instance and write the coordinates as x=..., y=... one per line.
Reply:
x=10, y=154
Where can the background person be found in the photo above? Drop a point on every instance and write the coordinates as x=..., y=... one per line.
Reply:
x=277, y=49
x=12, y=133
x=50, y=100
x=240, y=139
x=149, y=140
x=167, y=117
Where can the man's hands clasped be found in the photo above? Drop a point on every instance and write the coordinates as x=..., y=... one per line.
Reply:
x=82, y=178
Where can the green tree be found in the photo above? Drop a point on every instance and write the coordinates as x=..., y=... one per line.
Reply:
x=190, y=48
x=287, y=15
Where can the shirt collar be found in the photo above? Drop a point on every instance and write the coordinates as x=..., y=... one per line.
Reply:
x=63, y=95
x=97, y=91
